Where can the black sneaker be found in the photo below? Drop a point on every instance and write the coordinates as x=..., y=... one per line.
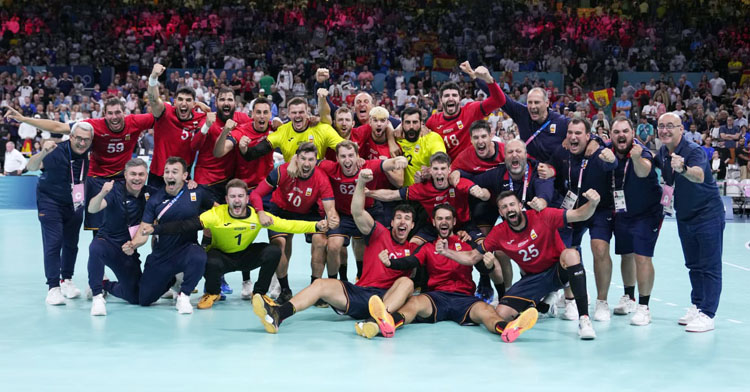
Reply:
x=284, y=296
x=267, y=313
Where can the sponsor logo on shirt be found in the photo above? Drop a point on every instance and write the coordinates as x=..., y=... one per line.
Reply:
x=449, y=130
x=510, y=242
x=193, y=196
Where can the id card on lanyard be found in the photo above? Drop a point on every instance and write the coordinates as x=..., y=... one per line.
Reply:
x=525, y=185
x=619, y=194
x=77, y=191
x=571, y=199
x=667, y=193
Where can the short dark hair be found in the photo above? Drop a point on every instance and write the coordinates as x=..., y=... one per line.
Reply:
x=342, y=110
x=307, y=147
x=505, y=194
x=347, y=144
x=296, y=101
x=444, y=206
x=261, y=101
x=225, y=90
x=449, y=86
x=136, y=162
x=175, y=160
x=621, y=118
x=410, y=111
x=236, y=183
x=113, y=102
x=479, y=124
x=440, y=157
x=186, y=90
x=403, y=207
x=585, y=122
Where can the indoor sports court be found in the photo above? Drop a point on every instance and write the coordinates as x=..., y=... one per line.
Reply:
x=155, y=348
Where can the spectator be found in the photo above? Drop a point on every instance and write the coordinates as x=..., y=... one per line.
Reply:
x=15, y=163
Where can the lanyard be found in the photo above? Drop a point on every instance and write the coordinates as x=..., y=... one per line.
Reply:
x=580, y=174
x=170, y=204
x=624, y=174
x=72, y=177
x=538, y=131
x=525, y=183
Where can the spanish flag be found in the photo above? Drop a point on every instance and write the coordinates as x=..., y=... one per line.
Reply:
x=745, y=77
x=26, y=148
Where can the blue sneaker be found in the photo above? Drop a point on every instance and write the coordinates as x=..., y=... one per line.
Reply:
x=225, y=289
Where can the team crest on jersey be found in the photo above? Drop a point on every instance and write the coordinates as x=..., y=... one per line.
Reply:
x=193, y=196
x=460, y=124
x=252, y=226
x=552, y=128
x=452, y=192
x=310, y=138
x=416, y=148
x=458, y=246
x=146, y=195
x=127, y=137
x=533, y=234
x=308, y=192
x=406, y=252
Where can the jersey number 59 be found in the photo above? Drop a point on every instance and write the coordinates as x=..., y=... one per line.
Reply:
x=115, y=147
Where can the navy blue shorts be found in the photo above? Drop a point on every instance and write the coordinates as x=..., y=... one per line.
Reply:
x=637, y=234
x=274, y=209
x=532, y=288
x=449, y=306
x=93, y=187
x=484, y=213
x=358, y=300
x=600, y=227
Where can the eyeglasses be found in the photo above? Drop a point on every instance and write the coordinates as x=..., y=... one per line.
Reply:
x=668, y=126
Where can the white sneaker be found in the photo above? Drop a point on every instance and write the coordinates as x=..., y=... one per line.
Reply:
x=700, y=323
x=625, y=306
x=274, y=289
x=642, y=316
x=560, y=299
x=692, y=313
x=69, y=289
x=551, y=299
x=571, y=310
x=585, y=329
x=55, y=297
x=247, y=289
x=601, y=312
x=183, y=304
x=169, y=294
x=98, y=307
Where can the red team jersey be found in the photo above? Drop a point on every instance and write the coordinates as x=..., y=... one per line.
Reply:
x=343, y=186
x=255, y=171
x=470, y=162
x=110, y=151
x=537, y=247
x=444, y=273
x=369, y=148
x=209, y=169
x=429, y=196
x=374, y=273
x=172, y=138
x=296, y=195
x=455, y=130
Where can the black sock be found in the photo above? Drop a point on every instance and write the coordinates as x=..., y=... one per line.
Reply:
x=359, y=268
x=500, y=326
x=342, y=273
x=398, y=319
x=334, y=276
x=312, y=279
x=284, y=283
x=630, y=292
x=484, y=280
x=577, y=279
x=285, y=311
x=542, y=307
x=245, y=275
x=500, y=287
x=643, y=299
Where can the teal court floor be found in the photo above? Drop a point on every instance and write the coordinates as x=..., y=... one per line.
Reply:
x=44, y=348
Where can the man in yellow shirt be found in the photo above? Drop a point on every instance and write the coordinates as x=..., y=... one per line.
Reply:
x=234, y=226
x=417, y=149
x=297, y=131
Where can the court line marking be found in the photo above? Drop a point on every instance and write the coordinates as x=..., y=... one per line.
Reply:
x=14, y=213
x=737, y=266
x=734, y=321
x=656, y=299
x=670, y=304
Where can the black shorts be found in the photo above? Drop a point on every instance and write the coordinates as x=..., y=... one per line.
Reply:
x=600, y=226
x=532, y=288
x=637, y=234
x=358, y=300
x=218, y=190
x=93, y=187
x=275, y=210
x=449, y=306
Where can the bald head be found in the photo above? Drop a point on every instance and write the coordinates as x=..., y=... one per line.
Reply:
x=362, y=107
x=537, y=103
x=515, y=157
